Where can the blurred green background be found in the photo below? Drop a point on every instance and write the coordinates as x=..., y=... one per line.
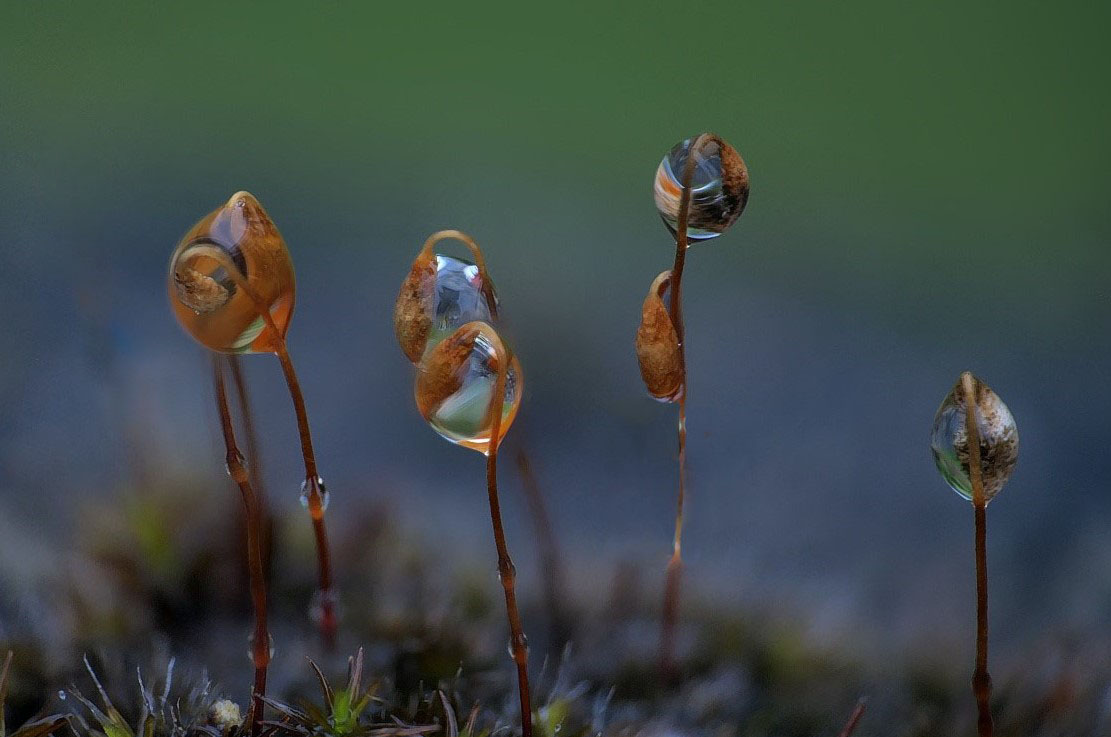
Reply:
x=928, y=195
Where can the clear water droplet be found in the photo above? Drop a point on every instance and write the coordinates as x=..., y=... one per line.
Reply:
x=61, y=695
x=236, y=242
x=307, y=489
x=998, y=440
x=523, y=640
x=317, y=606
x=251, y=646
x=239, y=457
x=718, y=195
x=512, y=571
x=459, y=299
x=462, y=416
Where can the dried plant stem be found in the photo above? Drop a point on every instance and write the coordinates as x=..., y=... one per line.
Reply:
x=314, y=494
x=675, y=311
x=260, y=649
x=506, y=571
x=854, y=720
x=550, y=559
x=981, y=679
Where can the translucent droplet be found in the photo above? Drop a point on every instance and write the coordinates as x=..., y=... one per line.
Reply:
x=251, y=645
x=235, y=245
x=322, y=599
x=61, y=695
x=719, y=187
x=239, y=457
x=512, y=571
x=523, y=640
x=454, y=391
x=459, y=297
x=307, y=490
x=998, y=440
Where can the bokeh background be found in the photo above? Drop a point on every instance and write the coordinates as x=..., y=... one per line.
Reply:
x=928, y=195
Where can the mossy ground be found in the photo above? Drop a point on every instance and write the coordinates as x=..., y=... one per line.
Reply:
x=155, y=578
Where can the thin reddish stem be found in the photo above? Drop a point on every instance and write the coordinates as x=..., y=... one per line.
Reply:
x=981, y=679
x=854, y=720
x=314, y=485
x=260, y=650
x=550, y=559
x=247, y=415
x=506, y=570
x=675, y=311
x=314, y=496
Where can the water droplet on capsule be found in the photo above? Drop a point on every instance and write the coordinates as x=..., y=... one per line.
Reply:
x=454, y=391
x=459, y=298
x=306, y=492
x=232, y=256
x=998, y=440
x=251, y=646
x=719, y=187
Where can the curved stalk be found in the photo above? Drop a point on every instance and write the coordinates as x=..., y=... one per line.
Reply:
x=675, y=311
x=313, y=485
x=506, y=571
x=480, y=262
x=255, y=454
x=551, y=562
x=981, y=679
x=260, y=649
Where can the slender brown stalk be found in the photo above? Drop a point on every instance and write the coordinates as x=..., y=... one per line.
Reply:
x=981, y=679
x=260, y=648
x=314, y=495
x=550, y=559
x=854, y=720
x=675, y=310
x=314, y=485
x=247, y=415
x=506, y=571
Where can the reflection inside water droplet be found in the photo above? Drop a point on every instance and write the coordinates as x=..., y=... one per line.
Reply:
x=463, y=416
x=998, y=441
x=715, y=204
x=459, y=297
x=232, y=257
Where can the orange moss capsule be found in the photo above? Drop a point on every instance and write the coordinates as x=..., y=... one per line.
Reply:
x=657, y=343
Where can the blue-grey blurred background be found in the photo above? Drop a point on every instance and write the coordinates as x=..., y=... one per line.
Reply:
x=928, y=195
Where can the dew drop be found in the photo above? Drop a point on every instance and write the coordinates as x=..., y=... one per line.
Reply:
x=61, y=695
x=238, y=457
x=719, y=188
x=455, y=399
x=234, y=244
x=459, y=298
x=523, y=640
x=307, y=490
x=251, y=646
x=321, y=599
x=998, y=440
